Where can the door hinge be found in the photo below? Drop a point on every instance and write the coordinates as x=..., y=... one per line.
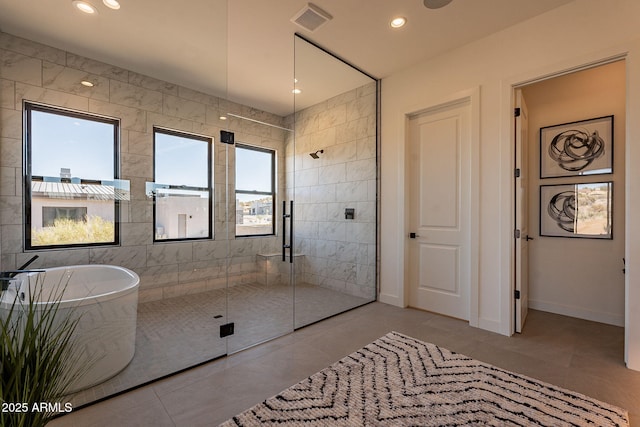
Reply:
x=227, y=137
x=516, y=173
x=516, y=234
x=516, y=112
x=516, y=294
x=226, y=329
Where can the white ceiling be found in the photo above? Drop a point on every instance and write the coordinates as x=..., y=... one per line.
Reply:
x=244, y=49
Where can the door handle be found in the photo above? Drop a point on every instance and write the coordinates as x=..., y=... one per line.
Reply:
x=528, y=238
x=291, y=232
x=413, y=235
x=286, y=246
x=284, y=230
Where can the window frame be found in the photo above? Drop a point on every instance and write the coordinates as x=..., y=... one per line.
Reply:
x=28, y=108
x=182, y=134
x=272, y=152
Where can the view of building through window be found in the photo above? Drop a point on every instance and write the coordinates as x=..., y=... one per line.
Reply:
x=73, y=190
x=72, y=193
x=255, y=191
x=183, y=186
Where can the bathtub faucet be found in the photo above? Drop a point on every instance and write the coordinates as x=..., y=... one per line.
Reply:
x=6, y=276
x=5, y=280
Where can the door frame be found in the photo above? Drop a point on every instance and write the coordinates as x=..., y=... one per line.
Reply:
x=473, y=97
x=508, y=125
x=521, y=230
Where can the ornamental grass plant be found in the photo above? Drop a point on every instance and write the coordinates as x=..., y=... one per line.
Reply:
x=39, y=359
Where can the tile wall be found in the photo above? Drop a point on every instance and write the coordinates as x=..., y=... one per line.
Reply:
x=339, y=253
x=39, y=73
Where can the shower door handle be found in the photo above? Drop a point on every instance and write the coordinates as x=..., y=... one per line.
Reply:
x=291, y=232
x=286, y=246
x=284, y=230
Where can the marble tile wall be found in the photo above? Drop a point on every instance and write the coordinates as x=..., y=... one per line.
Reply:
x=35, y=72
x=339, y=254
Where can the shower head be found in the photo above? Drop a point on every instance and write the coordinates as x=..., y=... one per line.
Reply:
x=315, y=155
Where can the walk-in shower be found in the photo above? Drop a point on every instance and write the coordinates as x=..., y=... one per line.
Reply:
x=202, y=224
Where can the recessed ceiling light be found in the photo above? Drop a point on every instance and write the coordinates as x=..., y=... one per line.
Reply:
x=85, y=7
x=111, y=4
x=223, y=117
x=86, y=83
x=398, y=22
x=296, y=91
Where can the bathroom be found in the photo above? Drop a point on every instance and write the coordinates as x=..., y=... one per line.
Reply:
x=202, y=295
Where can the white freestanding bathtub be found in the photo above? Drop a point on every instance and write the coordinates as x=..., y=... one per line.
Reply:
x=106, y=299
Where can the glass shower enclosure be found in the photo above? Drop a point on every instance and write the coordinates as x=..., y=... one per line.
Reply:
x=293, y=217
x=331, y=156
x=318, y=256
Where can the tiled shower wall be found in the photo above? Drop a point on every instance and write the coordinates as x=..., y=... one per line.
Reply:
x=339, y=253
x=35, y=72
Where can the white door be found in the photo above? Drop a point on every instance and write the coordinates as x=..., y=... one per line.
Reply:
x=439, y=210
x=521, y=234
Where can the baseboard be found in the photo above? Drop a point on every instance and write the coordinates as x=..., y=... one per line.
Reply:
x=391, y=300
x=491, y=326
x=580, y=313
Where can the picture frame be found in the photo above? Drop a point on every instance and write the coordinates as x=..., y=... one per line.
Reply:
x=577, y=148
x=577, y=210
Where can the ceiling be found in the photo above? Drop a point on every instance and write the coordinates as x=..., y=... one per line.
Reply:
x=244, y=49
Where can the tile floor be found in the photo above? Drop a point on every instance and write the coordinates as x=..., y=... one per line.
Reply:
x=580, y=355
x=176, y=333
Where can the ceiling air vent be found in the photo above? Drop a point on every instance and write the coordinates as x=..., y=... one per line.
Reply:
x=311, y=17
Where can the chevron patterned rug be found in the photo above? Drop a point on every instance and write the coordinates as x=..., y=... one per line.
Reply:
x=400, y=381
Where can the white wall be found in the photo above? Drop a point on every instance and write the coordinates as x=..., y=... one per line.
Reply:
x=584, y=31
x=578, y=277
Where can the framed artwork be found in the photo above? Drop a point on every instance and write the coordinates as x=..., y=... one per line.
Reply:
x=577, y=210
x=577, y=148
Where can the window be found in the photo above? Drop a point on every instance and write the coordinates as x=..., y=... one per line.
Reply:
x=52, y=214
x=255, y=191
x=72, y=190
x=182, y=190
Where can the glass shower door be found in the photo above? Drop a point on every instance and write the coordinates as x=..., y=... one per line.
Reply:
x=165, y=229
x=260, y=296
x=334, y=185
x=299, y=203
